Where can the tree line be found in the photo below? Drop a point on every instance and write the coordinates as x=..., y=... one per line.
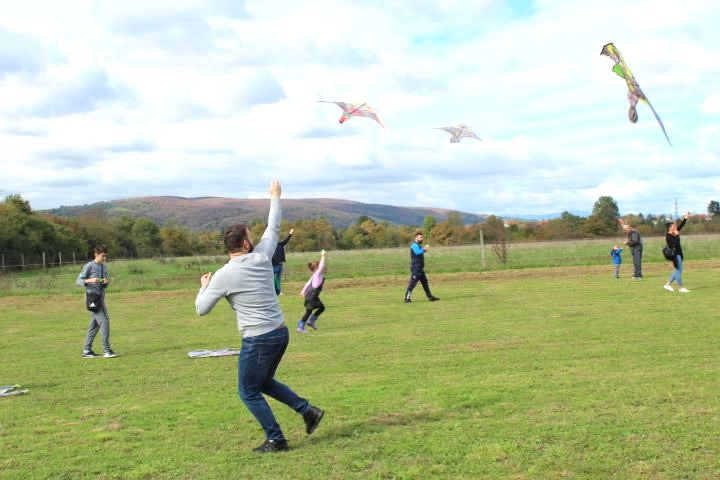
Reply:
x=27, y=234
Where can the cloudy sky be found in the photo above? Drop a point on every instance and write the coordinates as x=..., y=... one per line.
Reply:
x=105, y=99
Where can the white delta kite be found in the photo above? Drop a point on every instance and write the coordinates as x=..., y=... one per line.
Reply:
x=458, y=132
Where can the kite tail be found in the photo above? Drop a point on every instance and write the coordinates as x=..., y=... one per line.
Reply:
x=657, y=117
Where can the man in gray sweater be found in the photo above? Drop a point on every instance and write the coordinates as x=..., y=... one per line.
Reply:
x=246, y=281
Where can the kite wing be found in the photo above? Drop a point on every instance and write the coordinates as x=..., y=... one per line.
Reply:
x=634, y=92
x=458, y=132
x=11, y=390
x=345, y=107
x=356, y=110
x=212, y=353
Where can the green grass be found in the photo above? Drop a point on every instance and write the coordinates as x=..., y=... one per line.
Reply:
x=182, y=273
x=524, y=374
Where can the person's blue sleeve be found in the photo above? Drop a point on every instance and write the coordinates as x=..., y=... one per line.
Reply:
x=417, y=249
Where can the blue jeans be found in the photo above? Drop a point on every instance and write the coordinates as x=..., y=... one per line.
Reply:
x=677, y=273
x=259, y=359
x=277, y=277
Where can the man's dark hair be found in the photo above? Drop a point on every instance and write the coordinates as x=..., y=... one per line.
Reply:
x=418, y=232
x=234, y=237
x=100, y=249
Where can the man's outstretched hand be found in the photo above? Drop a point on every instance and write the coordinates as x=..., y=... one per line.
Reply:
x=275, y=189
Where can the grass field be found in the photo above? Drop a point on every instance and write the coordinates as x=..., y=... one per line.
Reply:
x=535, y=373
x=166, y=274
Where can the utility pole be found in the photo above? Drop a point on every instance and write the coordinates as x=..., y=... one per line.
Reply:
x=676, y=210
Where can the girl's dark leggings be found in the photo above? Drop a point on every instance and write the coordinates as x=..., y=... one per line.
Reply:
x=308, y=311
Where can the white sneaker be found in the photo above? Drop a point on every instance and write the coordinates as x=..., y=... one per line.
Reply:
x=683, y=290
x=668, y=288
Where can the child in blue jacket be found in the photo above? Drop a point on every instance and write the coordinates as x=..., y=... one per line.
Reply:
x=616, y=254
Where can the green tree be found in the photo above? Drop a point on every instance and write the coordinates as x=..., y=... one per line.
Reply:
x=122, y=228
x=93, y=226
x=566, y=227
x=25, y=235
x=176, y=240
x=20, y=203
x=442, y=234
x=713, y=209
x=208, y=243
x=428, y=224
x=146, y=236
x=493, y=229
x=603, y=222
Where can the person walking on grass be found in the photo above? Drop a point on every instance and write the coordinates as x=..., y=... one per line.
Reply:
x=672, y=238
x=246, y=282
x=616, y=254
x=311, y=292
x=636, y=248
x=95, y=278
x=278, y=259
x=417, y=268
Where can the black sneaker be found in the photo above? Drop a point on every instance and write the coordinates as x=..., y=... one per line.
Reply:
x=270, y=446
x=407, y=300
x=312, y=419
x=89, y=354
x=433, y=299
x=109, y=354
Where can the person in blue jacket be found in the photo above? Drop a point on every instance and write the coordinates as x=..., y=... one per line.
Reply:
x=616, y=254
x=417, y=268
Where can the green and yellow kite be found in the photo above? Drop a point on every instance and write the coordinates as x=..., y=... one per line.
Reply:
x=634, y=92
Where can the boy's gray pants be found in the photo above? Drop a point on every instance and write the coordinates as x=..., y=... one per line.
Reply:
x=99, y=320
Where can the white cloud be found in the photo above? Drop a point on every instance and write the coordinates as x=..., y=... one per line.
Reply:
x=218, y=97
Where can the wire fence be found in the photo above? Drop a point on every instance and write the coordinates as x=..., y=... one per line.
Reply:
x=168, y=273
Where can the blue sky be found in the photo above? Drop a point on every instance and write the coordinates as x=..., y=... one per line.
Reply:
x=103, y=100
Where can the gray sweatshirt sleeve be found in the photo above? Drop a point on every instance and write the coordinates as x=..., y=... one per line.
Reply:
x=272, y=232
x=207, y=297
x=84, y=274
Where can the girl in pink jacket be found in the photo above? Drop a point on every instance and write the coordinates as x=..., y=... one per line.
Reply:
x=311, y=292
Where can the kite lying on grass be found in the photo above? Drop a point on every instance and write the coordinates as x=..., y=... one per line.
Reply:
x=458, y=132
x=634, y=92
x=213, y=353
x=10, y=390
x=355, y=110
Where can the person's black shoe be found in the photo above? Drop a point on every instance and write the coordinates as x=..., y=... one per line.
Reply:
x=89, y=354
x=433, y=299
x=312, y=419
x=271, y=446
x=407, y=300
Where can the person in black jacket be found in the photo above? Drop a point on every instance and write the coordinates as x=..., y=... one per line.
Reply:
x=277, y=262
x=636, y=249
x=417, y=268
x=672, y=237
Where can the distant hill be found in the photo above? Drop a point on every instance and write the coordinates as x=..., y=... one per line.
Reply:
x=544, y=216
x=213, y=213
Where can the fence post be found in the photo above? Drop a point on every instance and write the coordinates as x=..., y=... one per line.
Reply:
x=482, y=249
x=73, y=258
x=22, y=260
x=59, y=259
x=3, y=263
x=44, y=264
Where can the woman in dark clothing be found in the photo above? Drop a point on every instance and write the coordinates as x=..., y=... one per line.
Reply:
x=672, y=237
